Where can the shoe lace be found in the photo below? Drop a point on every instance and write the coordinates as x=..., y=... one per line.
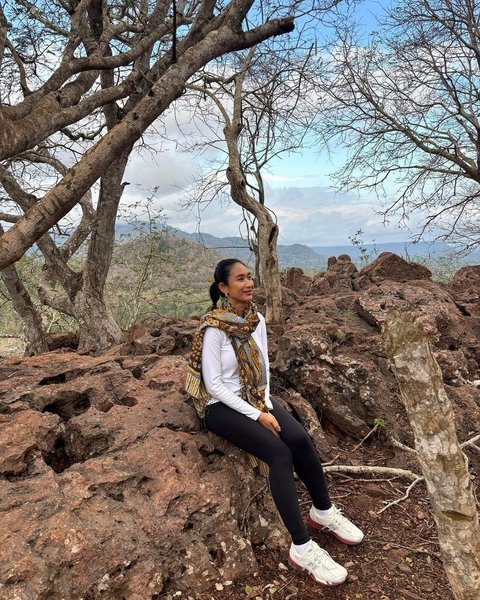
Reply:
x=338, y=519
x=320, y=556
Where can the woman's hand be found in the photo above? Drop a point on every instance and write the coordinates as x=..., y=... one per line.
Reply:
x=270, y=422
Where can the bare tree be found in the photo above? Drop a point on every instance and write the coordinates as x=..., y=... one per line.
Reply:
x=264, y=107
x=123, y=63
x=406, y=104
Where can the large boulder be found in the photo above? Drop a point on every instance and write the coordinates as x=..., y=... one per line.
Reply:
x=465, y=287
x=394, y=268
x=111, y=490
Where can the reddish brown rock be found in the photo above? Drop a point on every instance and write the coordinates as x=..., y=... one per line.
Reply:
x=110, y=489
x=394, y=268
x=295, y=279
x=338, y=277
x=465, y=287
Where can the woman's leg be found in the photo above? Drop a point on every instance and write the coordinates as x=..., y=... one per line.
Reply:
x=305, y=458
x=252, y=437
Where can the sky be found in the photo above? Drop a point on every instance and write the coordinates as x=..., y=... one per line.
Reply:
x=300, y=189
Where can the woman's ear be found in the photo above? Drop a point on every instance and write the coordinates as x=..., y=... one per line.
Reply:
x=223, y=288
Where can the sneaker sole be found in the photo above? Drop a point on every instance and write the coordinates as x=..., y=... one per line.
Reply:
x=324, y=529
x=297, y=567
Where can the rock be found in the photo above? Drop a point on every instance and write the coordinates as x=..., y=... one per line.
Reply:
x=440, y=315
x=337, y=278
x=294, y=279
x=375, y=490
x=333, y=386
x=309, y=420
x=466, y=279
x=465, y=287
x=394, y=268
x=454, y=366
x=111, y=489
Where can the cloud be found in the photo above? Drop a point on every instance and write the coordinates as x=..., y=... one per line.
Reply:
x=313, y=216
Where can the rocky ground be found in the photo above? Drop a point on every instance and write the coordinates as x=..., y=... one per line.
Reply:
x=111, y=490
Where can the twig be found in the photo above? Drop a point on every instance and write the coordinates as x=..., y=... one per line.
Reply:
x=383, y=542
x=244, y=518
x=404, y=497
x=471, y=441
x=347, y=479
x=372, y=431
x=284, y=585
x=399, y=444
x=330, y=462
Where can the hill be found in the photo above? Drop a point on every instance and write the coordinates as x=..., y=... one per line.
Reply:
x=294, y=255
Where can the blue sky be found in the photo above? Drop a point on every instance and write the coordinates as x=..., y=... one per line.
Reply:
x=300, y=190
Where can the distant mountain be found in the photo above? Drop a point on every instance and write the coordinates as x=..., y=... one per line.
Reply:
x=294, y=255
x=309, y=258
x=408, y=250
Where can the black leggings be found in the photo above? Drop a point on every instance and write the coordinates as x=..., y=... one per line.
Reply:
x=293, y=450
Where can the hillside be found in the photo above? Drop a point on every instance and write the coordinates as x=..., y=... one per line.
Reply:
x=294, y=255
x=112, y=489
x=436, y=255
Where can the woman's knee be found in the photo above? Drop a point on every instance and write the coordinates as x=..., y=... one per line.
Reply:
x=299, y=442
x=282, y=457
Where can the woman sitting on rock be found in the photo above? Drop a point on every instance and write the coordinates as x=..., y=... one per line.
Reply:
x=228, y=380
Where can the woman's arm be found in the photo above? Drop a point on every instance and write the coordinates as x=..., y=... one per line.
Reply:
x=212, y=374
x=264, y=348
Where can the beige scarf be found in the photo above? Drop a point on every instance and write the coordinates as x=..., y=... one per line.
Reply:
x=252, y=368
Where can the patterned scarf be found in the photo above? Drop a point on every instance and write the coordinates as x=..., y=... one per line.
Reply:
x=252, y=369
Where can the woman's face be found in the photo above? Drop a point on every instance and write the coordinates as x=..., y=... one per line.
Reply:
x=239, y=288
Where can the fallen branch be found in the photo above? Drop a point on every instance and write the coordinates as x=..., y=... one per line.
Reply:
x=364, y=469
x=399, y=444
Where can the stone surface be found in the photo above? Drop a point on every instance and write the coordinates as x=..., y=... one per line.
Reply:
x=394, y=268
x=110, y=489
x=338, y=277
x=295, y=279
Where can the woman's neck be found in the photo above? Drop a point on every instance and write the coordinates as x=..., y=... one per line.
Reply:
x=238, y=307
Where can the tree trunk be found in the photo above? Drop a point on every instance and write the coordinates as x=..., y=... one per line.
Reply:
x=97, y=327
x=267, y=237
x=268, y=267
x=442, y=461
x=22, y=303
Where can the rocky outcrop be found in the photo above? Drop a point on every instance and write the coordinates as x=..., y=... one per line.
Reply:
x=466, y=289
x=110, y=489
x=331, y=352
x=394, y=268
x=338, y=277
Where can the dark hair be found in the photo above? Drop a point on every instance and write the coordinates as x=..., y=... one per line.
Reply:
x=221, y=275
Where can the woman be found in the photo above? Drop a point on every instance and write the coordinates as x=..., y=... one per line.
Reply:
x=228, y=381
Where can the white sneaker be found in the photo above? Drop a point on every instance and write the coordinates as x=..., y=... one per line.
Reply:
x=318, y=563
x=343, y=529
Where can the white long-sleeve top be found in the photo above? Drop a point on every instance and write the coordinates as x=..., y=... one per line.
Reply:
x=220, y=371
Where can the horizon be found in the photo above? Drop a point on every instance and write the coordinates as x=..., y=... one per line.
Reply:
x=405, y=244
